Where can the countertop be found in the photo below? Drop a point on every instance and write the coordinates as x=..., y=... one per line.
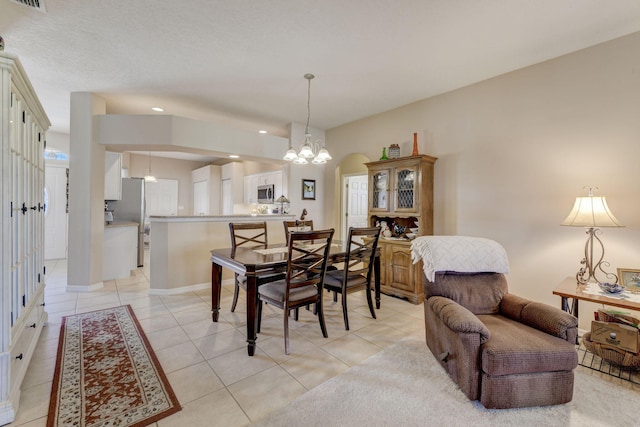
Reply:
x=221, y=218
x=121, y=224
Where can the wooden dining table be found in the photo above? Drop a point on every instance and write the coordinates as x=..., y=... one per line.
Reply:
x=251, y=262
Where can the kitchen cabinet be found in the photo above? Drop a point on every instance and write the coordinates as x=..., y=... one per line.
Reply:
x=207, y=188
x=120, y=254
x=22, y=270
x=232, y=186
x=401, y=194
x=112, y=176
x=250, y=189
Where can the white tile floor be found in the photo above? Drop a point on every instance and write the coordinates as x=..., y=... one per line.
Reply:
x=206, y=363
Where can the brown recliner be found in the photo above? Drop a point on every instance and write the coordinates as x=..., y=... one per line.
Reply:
x=499, y=348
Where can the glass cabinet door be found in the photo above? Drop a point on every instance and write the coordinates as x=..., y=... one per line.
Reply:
x=405, y=195
x=380, y=190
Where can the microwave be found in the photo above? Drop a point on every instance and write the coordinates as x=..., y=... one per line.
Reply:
x=266, y=193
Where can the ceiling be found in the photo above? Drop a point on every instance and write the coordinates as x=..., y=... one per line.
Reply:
x=242, y=62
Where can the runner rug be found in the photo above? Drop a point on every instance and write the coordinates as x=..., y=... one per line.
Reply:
x=107, y=374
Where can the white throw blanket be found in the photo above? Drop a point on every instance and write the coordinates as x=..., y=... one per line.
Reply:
x=459, y=253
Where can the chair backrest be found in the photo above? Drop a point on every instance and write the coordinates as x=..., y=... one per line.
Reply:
x=480, y=293
x=361, y=252
x=307, y=259
x=297, y=225
x=249, y=234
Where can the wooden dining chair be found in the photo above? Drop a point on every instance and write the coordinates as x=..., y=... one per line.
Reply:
x=250, y=235
x=357, y=272
x=296, y=225
x=307, y=256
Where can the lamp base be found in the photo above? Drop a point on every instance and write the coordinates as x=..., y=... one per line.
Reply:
x=590, y=267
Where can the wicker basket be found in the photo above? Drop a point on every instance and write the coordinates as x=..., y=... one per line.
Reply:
x=611, y=354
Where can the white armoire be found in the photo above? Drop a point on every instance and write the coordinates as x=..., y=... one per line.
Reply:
x=23, y=124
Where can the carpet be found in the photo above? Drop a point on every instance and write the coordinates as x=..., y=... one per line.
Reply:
x=403, y=385
x=107, y=374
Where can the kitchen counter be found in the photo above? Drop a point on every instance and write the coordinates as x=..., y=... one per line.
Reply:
x=223, y=218
x=116, y=224
x=180, y=248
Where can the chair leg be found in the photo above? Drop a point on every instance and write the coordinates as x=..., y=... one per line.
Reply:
x=236, y=291
x=259, y=315
x=320, y=312
x=370, y=302
x=286, y=331
x=296, y=314
x=344, y=311
x=335, y=296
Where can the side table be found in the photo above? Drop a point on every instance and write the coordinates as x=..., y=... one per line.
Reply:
x=569, y=289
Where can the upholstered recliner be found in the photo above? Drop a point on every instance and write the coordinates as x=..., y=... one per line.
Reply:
x=499, y=348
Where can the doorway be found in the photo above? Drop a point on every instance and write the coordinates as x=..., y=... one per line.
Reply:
x=55, y=214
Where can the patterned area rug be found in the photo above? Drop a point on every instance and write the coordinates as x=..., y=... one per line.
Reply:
x=107, y=374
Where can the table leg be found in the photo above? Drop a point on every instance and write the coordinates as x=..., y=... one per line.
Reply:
x=216, y=287
x=376, y=282
x=564, y=305
x=252, y=318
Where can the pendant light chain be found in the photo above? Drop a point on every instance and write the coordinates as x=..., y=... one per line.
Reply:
x=308, y=77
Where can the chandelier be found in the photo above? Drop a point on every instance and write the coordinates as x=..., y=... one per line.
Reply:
x=309, y=150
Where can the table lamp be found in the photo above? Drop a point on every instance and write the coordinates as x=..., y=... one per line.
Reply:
x=592, y=212
x=282, y=200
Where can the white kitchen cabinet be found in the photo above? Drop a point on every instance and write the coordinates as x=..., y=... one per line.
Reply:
x=207, y=188
x=251, y=189
x=120, y=254
x=232, y=186
x=22, y=270
x=112, y=176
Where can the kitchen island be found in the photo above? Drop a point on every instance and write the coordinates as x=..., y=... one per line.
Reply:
x=180, y=248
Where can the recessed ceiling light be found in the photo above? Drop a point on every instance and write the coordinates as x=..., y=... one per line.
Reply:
x=262, y=131
x=157, y=109
x=234, y=156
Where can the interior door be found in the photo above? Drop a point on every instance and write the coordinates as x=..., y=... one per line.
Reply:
x=55, y=215
x=357, y=202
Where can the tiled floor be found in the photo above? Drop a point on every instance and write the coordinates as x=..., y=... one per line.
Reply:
x=217, y=384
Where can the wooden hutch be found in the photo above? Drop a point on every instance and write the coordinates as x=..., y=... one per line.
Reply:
x=401, y=193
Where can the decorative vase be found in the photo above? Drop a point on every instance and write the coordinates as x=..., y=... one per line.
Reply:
x=384, y=154
x=415, y=144
x=394, y=151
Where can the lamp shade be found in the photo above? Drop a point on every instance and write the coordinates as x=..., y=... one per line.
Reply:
x=591, y=211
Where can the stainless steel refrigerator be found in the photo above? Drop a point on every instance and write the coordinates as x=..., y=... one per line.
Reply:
x=131, y=208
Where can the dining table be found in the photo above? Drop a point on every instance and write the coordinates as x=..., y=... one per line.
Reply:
x=252, y=262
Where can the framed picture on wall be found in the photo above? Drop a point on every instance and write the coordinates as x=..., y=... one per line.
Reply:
x=308, y=189
x=630, y=279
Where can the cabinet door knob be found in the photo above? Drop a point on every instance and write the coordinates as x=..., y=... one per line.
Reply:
x=19, y=356
x=32, y=326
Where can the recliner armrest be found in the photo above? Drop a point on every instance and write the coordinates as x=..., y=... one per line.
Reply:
x=541, y=316
x=458, y=318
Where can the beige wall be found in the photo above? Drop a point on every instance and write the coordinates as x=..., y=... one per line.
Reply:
x=514, y=151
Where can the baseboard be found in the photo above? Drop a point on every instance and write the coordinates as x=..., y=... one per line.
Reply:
x=181, y=290
x=84, y=288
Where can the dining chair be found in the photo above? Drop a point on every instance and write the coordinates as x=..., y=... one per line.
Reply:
x=296, y=225
x=357, y=271
x=251, y=235
x=307, y=256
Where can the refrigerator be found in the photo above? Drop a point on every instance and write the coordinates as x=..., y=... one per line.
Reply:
x=131, y=208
